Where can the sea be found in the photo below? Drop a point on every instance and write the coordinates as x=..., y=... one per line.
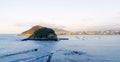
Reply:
x=79, y=48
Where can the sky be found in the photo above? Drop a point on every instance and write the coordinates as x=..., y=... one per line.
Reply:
x=17, y=16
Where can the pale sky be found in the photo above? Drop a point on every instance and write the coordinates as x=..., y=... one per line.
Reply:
x=19, y=15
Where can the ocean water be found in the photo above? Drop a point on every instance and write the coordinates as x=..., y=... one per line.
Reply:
x=79, y=48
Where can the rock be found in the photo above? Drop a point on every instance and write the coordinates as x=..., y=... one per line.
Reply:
x=43, y=33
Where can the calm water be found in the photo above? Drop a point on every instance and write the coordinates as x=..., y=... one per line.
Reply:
x=79, y=48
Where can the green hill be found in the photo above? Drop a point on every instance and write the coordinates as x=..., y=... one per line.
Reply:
x=34, y=28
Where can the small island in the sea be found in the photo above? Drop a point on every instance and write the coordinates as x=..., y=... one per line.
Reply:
x=43, y=33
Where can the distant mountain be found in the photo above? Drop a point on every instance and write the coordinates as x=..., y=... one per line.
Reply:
x=34, y=28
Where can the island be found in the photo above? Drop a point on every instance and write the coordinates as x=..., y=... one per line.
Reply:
x=43, y=33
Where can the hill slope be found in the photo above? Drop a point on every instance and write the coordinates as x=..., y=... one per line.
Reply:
x=34, y=28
